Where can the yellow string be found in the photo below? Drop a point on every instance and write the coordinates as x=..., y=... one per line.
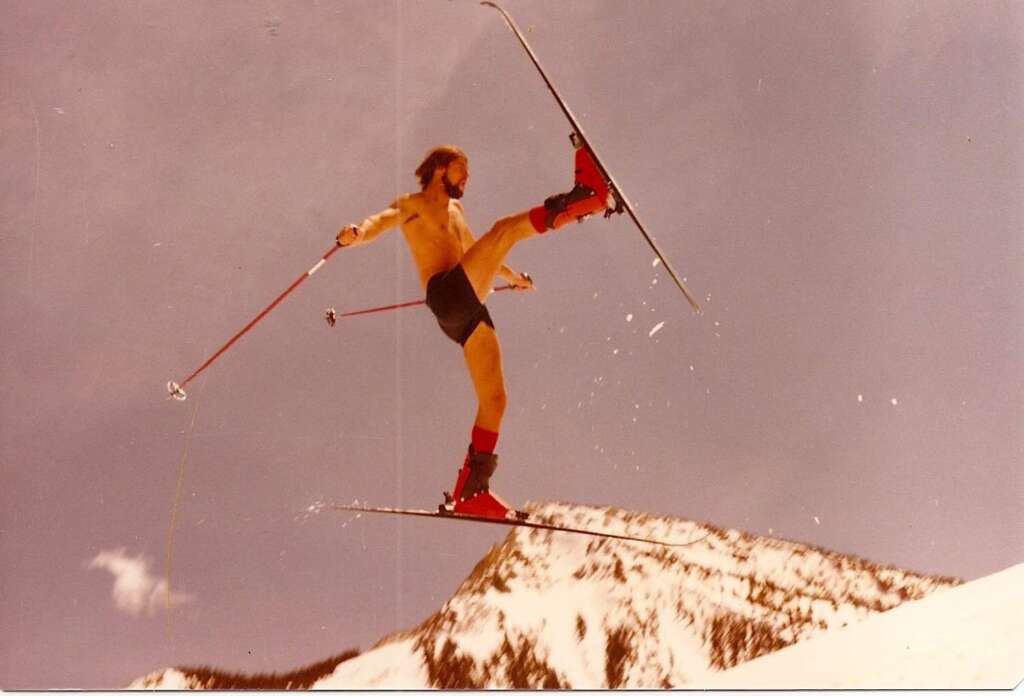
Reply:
x=177, y=503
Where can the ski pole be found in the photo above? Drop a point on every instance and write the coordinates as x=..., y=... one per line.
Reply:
x=331, y=316
x=177, y=390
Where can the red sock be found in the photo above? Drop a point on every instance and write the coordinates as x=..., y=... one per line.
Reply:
x=484, y=440
x=539, y=218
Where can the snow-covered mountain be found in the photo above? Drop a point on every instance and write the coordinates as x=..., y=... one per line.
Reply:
x=549, y=609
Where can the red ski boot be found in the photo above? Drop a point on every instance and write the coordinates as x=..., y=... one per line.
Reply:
x=590, y=195
x=472, y=495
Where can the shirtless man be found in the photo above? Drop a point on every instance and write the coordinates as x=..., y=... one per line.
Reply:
x=458, y=272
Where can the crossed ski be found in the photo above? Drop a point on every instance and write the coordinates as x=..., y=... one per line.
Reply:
x=580, y=139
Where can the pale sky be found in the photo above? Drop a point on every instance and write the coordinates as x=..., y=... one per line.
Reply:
x=840, y=184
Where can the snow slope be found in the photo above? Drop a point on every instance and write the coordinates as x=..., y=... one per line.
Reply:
x=969, y=637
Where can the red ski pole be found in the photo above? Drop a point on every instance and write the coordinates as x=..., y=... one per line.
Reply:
x=332, y=316
x=177, y=390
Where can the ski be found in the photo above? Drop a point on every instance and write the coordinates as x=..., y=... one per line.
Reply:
x=519, y=521
x=580, y=139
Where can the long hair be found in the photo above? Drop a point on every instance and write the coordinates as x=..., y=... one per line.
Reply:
x=438, y=157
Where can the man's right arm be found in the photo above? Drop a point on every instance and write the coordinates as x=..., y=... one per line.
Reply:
x=371, y=227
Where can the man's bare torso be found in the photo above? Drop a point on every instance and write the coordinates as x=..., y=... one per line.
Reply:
x=436, y=238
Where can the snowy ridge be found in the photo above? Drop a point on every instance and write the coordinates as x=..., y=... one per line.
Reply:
x=549, y=609
x=966, y=638
x=197, y=678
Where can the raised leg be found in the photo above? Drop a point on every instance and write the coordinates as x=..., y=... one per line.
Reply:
x=485, y=258
x=589, y=195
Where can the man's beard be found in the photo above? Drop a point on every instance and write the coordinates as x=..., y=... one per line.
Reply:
x=451, y=189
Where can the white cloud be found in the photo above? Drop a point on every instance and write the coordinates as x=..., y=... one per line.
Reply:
x=135, y=589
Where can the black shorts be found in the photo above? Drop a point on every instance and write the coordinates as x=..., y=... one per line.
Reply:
x=451, y=298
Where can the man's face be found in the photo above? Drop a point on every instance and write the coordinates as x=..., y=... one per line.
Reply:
x=455, y=177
